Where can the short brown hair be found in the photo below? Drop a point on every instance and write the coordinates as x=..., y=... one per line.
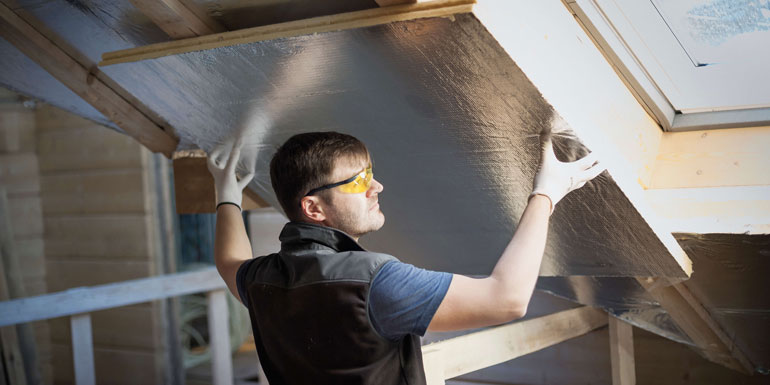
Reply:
x=307, y=161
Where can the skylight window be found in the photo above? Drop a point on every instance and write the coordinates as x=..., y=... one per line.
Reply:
x=694, y=63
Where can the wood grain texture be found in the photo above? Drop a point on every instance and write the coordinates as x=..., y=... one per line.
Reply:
x=194, y=188
x=350, y=20
x=713, y=158
x=76, y=77
x=622, y=352
x=177, y=19
x=464, y=354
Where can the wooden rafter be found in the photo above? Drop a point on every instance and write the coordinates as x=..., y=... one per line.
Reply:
x=80, y=80
x=464, y=354
x=349, y=20
x=695, y=321
x=177, y=18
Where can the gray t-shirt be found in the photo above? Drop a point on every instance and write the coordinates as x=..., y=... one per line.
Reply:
x=403, y=299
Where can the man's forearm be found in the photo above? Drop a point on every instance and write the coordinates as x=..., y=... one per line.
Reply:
x=231, y=244
x=517, y=269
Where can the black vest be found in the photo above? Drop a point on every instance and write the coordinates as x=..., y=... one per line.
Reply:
x=308, y=308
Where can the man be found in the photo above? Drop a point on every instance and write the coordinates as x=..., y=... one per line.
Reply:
x=326, y=311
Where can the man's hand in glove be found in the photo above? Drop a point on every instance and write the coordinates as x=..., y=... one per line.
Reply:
x=221, y=164
x=555, y=178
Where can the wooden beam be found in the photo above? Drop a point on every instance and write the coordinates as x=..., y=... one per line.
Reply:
x=695, y=321
x=728, y=210
x=194, y=186
x=84, y=83
x=177, y=18
x=349, y=20
x=713, y=158
x=465, y=354
x=622, y=352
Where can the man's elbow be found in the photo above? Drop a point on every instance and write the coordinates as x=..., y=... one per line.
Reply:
x=516, y=311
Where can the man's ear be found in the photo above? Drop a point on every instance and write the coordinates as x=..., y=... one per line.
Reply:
x=313, y=208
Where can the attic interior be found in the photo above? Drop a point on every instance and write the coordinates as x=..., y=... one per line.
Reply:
x=653, y=272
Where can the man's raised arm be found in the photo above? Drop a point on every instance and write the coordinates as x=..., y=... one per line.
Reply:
x=231, y=243
x=505, y=294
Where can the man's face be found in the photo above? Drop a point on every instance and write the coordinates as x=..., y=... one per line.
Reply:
x=356, y=213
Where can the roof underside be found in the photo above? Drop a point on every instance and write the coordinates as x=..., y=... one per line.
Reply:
x=453, y=125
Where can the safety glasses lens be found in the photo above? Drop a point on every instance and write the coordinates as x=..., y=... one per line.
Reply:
x=362, y=182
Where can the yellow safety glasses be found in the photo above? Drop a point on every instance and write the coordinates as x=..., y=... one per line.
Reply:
x=355, y=184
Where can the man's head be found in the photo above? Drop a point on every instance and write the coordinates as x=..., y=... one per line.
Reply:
x=320, y=159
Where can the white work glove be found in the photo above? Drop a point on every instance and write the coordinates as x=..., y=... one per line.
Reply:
x=221, y=163
x=555, y=178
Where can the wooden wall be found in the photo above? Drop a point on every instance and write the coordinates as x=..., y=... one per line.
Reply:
x=100, y=225
x=90, y=206
x=20, y=178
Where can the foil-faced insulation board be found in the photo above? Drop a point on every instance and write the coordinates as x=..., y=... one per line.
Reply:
x=22, y=75
x=729, y=277
x=453, y=125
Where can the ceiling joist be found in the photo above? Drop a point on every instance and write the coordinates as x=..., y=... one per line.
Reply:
x=85, y=84
x=178, y=18
x=343, y=21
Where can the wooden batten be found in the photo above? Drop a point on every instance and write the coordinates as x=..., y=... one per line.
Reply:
x=342, y=21
x=80, y=80
x=465, y=354
x=194, y=186
x=178, y=18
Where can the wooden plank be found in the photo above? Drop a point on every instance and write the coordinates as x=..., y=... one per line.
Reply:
x=81, y=81
x=18, y=174
x=349, y=20
x=13, y=362
x=17, y=128
x=726, y=210
x=622, y=352
x=109, y=191
x=105, y=238
x=84, y=150
x=713, y=158
x=113, y=366
x=131, y=327
x=90, y=299
x=177, y=19
x=695, y=321
x=219, y=338
x=194, y=187
x=83, y=349
x=464, y=354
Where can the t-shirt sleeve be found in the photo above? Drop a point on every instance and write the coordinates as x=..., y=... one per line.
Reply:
x=240, y=277
x=403, y=299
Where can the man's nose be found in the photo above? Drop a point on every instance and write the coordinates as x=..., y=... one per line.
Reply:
x=375, y=188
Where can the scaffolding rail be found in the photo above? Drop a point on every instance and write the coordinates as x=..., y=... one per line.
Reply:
x=78, y=303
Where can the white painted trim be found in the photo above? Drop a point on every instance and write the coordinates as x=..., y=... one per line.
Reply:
x=713, y=120
x=89, y=299
x=219, y=338
x=83, y=349
x=617, y=52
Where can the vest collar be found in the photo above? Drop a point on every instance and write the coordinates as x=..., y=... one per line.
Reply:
x=300, y=232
